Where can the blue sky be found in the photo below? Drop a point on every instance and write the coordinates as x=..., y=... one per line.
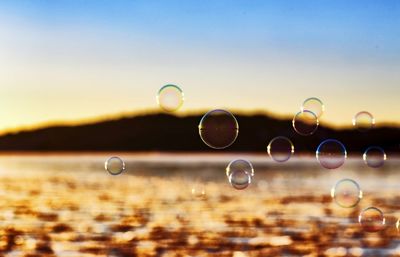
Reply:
x=69, y=60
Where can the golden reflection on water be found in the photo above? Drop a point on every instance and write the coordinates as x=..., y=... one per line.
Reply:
x=81, y=213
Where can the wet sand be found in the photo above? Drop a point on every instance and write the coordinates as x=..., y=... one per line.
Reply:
x=57, y=206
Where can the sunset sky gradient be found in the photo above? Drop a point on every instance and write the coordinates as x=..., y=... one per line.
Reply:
x=76, y=60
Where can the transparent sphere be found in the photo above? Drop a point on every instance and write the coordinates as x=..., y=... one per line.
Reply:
x=305, y=123
x=331, y=154
x=374, y=156
x=218, y=129
x=363, y=121
x=198, y=191
x=239, y=165
x=239, y=179
x=346, y=193
x=114, y=165
x=280, y=149
x=170, y=98
x=372, y=219
x=313, y=105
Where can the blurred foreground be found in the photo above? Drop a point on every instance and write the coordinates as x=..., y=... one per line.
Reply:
x=68, y=205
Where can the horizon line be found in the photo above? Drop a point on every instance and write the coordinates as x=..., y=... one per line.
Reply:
x=155, y=111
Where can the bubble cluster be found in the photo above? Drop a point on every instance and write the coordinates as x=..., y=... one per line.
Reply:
x=114, y=165
x=280, y=149
x=305, y=123
x=239, y=165
x=218, y=129
x=374, y=156
x=331, y=154
x=346, y=193
x=170, y=98
x=372, y=219
x=363, y=121
x=313, y=105
x=239, y=179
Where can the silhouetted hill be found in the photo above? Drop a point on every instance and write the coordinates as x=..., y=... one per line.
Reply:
x=162, y=132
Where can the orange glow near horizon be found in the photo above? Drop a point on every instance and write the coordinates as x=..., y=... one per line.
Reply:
x=88, y=63
x=102, y=118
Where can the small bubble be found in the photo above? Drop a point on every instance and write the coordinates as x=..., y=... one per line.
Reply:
x=305, y=123
x=374, y=156
x=313, y=105
x=363, y=121
x=218, y=129
x=331, y=154
x=239, y=179
x=170, y=98
x=280, y=149
x=346, y=193
x=114, y=165
x=239, y=164
x=198, y=191
x=372, y=219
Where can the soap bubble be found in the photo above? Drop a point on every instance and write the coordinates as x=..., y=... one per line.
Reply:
x=218, y=129
x=363, y=121
x=198, y=191
x=239, y=179
x=170, y=98
x=305, y=123
x=313, y=105
x=372, y=219
x=280, y=149
x=374, y=156
x=331, y=154
x=238, y=165
x=114, y=165
x=346, y=193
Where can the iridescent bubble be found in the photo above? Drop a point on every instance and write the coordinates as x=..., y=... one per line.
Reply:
x=198, y=191
x=346, y=193
x=239, y=179
x=331, y=154
x=374, y=156
x=313, y=105
x=363, y=121
x=114, y=165
x=218, y=129
x=305, y=123
x=280, y=149
x=170, y=98
x=238, y=165
x=372, y=219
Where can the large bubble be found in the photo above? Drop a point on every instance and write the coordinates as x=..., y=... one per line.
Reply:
x=305, y=123
x=218, y=129
x=363, y=121
x=280, y=149
x=372, y=219
x=313, y=105
x=170, y=98
x=346, y=193
x=331, y=154
x=374, y=156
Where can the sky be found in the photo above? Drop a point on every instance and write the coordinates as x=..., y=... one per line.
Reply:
x=77, y=60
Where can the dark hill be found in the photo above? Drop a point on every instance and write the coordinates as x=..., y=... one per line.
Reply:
x=162, y=132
